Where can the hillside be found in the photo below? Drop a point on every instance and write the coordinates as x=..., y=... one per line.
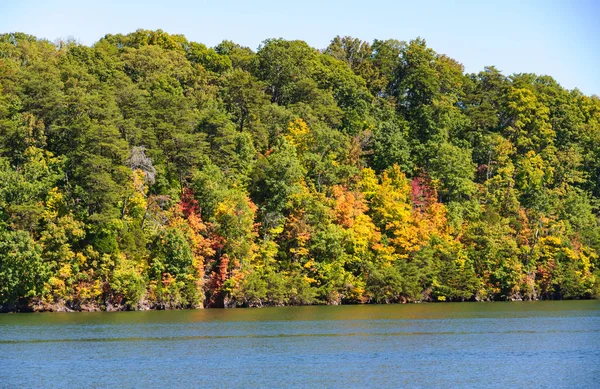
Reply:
x=148, y=171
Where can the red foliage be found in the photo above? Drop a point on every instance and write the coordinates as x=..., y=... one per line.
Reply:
x=217, y=279
x=423, y=194
x=188, y=205
x=217, y=242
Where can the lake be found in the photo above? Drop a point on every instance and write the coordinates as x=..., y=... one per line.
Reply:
x=552, y=344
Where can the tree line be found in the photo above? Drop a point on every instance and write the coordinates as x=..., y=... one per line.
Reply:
x=148, y=171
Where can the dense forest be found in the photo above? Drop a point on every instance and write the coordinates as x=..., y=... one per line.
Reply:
x=148, y=171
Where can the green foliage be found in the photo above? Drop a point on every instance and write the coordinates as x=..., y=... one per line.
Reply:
x=128, y=283
x=276, y=177
x=390, y=146
x=384, y=283
x=453, y=168
x=173, y=254
x=22, y=271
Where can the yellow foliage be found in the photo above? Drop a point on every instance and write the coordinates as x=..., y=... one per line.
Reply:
x=53, y=202
x=65, y=271
x=299, y=135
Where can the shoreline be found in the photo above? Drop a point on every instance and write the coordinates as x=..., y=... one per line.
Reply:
x=87, y=308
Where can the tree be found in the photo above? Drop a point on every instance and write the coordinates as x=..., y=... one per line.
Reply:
x=453, y=168
x=283, y=64
x=22, y=271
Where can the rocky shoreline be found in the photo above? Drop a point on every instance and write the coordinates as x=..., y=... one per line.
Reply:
x=39, y=307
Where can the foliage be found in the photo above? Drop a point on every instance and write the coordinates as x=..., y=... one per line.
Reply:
x=148, y=171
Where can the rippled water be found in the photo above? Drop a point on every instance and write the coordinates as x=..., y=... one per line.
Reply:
x=498, y=345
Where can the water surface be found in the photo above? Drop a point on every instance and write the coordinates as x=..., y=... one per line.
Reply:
x=494, y=345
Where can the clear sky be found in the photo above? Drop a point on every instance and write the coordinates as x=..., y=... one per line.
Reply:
x=559, y=38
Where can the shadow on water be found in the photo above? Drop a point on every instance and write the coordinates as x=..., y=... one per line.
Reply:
x=421, y=311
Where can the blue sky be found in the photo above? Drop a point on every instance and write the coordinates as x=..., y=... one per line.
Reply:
x=559, y=38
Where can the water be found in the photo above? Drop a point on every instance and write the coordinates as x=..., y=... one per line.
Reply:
x=449, y=345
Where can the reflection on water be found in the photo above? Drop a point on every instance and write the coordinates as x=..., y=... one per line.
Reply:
x=529, y=344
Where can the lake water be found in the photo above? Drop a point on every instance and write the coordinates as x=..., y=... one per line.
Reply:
x=449, y=345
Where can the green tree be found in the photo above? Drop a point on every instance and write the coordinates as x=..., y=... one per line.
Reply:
x=22, y=271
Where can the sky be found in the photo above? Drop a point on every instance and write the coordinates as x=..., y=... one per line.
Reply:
x=557, y=38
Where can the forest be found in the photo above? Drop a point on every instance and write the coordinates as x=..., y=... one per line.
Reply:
x=150, y=172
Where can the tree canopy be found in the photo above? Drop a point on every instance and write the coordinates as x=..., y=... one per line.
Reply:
x=148, y=171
